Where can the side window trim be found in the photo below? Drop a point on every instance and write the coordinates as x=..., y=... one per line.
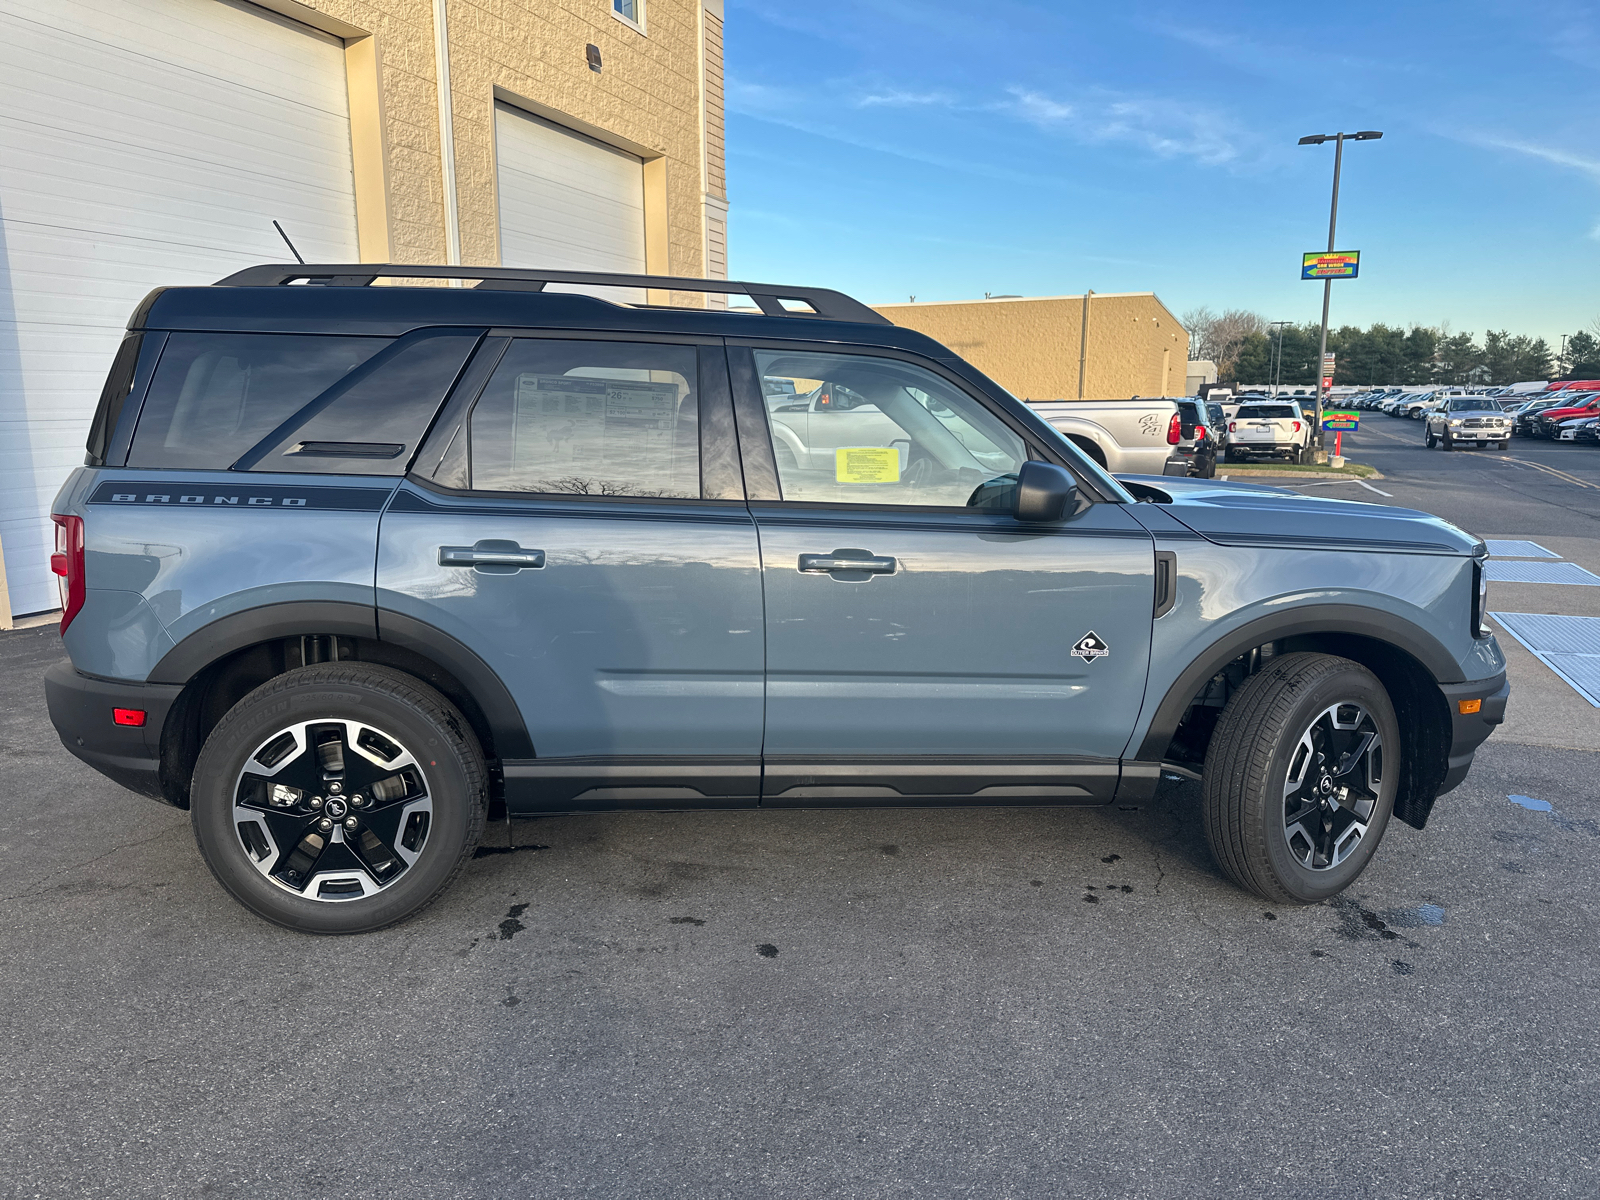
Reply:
x=120, y=438
x=452, y=415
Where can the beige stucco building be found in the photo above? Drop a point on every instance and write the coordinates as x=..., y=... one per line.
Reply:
x=1030, y=345
x=155, y=142
x=431, y=82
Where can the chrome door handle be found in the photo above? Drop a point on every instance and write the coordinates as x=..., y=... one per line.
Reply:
x=847, y=560
x=490, y=554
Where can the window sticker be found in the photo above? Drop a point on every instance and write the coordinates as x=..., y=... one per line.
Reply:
x=566, y=421
x=866, y=464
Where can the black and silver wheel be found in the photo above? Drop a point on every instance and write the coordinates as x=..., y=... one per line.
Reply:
x=339, y=798
x=1300, y=778
x=1429, y=440
x=1446, y=442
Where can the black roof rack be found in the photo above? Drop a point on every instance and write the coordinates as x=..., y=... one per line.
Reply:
x=769, y=297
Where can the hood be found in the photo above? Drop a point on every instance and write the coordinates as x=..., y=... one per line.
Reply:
x=1251, y=514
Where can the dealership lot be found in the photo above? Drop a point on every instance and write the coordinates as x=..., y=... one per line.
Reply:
x=885, y=1003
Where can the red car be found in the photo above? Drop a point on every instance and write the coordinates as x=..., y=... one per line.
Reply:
x=1544, y=425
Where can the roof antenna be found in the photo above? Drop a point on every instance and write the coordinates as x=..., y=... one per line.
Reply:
x=288, y=243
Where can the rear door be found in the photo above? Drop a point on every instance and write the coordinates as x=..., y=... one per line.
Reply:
x=576, y=521
x=922, y=648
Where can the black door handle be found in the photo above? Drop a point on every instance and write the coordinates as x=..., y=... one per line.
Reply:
x=863, y=561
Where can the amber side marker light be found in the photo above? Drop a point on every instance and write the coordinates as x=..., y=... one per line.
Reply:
x=127, y=716
x=1468, y=706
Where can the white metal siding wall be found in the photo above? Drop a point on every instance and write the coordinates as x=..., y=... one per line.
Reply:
x=566, y=200
x=143, y=142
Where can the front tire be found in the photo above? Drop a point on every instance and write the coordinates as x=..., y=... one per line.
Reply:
x=1300, y=778
x=339, y=798
x=1429, y=440
x=1447, y=443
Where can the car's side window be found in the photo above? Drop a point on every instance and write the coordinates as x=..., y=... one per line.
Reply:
x=858, y=429
x=589, y=418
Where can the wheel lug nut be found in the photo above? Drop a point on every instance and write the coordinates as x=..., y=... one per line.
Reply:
x=349, y=822
x=324, y=824
x=316, y=802
x=357, y=801
x=336, y=787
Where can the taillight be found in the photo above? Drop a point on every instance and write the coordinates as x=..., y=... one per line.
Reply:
x=1174, y=430
x=1199, y=433
x=67, y=563
x=1233, y=427
x=1297, y=426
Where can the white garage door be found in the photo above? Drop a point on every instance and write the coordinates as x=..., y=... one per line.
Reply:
x=143, y=142
x=567, y=201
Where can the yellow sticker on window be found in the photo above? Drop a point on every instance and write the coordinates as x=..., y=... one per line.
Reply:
x=866, y=464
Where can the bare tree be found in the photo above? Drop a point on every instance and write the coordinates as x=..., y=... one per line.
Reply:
x=1220, y=338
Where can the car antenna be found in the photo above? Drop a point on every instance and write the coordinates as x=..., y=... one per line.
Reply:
x=288, y=243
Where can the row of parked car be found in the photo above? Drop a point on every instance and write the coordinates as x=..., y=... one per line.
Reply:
x=1569, y=412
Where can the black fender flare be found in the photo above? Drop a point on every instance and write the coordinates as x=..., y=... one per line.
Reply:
x=1333, y=619
x=251, y=627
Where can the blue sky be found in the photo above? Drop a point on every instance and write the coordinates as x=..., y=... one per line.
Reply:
x=947, y=149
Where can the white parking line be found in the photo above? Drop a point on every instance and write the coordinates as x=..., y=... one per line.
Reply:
x=1370, y=488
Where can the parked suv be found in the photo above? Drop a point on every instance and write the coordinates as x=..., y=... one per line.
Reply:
x=1273, y=428
x=348, y=565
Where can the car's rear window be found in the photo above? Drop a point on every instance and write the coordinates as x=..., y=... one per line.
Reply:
x=215, y=395
x=1259, y=411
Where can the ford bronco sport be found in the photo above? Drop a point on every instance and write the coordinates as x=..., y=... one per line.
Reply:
x=347, y=565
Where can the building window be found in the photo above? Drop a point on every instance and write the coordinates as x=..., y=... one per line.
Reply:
x=629, y=12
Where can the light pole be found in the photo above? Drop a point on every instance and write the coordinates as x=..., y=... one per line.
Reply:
x=1277, y=371
x=1338, y=140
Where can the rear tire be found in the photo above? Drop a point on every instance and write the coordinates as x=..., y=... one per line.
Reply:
x=1280, y=817
x=339, y=798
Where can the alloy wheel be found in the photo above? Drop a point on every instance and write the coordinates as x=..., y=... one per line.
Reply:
x=1331, y=790
x=332, y=810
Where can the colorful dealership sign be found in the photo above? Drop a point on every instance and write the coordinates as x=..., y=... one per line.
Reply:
x=1330, y=264
x=1340, y=420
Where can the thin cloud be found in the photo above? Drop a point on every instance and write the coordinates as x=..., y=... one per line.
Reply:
x=1562, y=158
x=1162, y=127
x=891, y=98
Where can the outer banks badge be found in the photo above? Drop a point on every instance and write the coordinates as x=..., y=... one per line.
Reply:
x=1090, y=647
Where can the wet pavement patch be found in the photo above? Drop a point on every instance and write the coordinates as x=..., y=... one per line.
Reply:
x=1402, y=968
x=684, y=921
x=767, y=950
x=1111, y=858
x=1270, y=916
x=510, y=927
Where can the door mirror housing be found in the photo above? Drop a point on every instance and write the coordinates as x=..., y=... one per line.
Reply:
x=1044, y=492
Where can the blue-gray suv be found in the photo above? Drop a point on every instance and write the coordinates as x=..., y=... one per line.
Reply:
x=348, y=566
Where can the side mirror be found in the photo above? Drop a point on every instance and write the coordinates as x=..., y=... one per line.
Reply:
x=1044, y=492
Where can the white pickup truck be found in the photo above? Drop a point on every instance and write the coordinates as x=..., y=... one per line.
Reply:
x=1131, y=437
x=1270, y=428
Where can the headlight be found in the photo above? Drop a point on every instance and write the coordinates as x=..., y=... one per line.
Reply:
x=1455, y=420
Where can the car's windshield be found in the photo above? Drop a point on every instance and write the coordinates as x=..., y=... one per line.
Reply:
x=1468, y=404
x=1268, y=410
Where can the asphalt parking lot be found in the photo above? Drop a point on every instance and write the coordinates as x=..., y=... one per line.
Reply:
x=992, y=1003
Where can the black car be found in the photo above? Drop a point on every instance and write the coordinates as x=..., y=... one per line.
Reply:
x=1198, y=435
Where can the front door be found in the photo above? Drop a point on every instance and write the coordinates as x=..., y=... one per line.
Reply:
x=923, y=648
x=566, y=537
